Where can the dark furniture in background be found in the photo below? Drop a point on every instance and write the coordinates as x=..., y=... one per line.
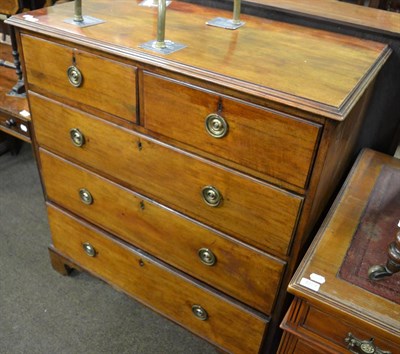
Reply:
x=13, y=126
x=389, y=5
x=8, y=8
x=14, y=115
x=11, y=84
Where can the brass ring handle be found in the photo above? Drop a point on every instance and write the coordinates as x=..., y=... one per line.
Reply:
x=75, y=76
x=207, y=257
x=77, y=138
x=85, y=196
x=89, y=249
x=200, y=312
x=211, y=196
x=359, y=346
x=216, y=126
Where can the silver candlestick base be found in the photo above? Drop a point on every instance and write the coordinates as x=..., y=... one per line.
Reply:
x=225, y=23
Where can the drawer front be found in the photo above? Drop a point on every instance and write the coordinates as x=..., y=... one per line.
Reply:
x=240, y=271
x=336, y=330
x=107, y=85
x=158, y=286
x=250, y=210
x=14, y=125
x=256, y=138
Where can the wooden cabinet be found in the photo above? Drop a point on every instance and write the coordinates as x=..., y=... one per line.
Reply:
x=12, y=121
x=342, y=313
x=191, y=180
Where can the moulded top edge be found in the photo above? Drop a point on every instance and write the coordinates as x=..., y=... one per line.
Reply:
x=312, y=70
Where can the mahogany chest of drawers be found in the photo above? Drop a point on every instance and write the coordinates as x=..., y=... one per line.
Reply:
x=345, y=311
x=191, y=181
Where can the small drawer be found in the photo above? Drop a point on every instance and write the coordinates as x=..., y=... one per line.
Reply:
x=251, y=210
x=240, y=271
x=336, y=330
x=204, y=312
x=79, y=76
x=266, y=142
x=15, y=126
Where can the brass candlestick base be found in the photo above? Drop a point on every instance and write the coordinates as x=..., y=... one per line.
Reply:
x=225, y=23
x=164, y=47
x=79, y=20
x=161, y=45
x=86, y=21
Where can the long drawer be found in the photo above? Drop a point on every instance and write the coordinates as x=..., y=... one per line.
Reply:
x=262, y=140
x=105, y=84
x=240, y=271
x=251, y=210
x=176, y=296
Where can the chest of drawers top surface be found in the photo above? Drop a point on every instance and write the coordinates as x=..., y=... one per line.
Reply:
x=314, y=70
x=329, y=249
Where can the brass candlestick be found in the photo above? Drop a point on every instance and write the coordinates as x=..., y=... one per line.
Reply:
x=161, y=16
x=78, y=11
x=226, y=23
x=79, y=19
x=161, y=45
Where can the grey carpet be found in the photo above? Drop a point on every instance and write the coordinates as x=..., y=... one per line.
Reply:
x=43, y=312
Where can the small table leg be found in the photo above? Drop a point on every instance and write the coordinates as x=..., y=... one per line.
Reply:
x=19, y=87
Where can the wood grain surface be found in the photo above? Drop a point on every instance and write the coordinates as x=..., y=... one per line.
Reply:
x=107, y=85
x=244, y=273
x=268, y=142
x=339, y=11
x=157, y=286
x=173, y=177
x=285, y=58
